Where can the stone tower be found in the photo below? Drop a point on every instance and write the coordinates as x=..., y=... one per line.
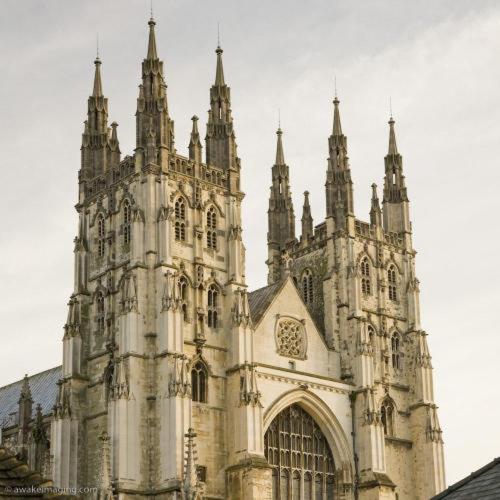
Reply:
x=178, y=383
x=358, y=280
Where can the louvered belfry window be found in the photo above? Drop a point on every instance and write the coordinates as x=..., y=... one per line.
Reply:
x=300, y=456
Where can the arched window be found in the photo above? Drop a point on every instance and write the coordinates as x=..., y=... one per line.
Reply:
x=199, y=276
x=199, y=378
x=213, y=304
x=184, y=296
x=126, y=222
x=387, y=417
x=101, y=236
x=100, y=312
x=307, y=287
x=211, y=228
x=300, y=456
x=396, y=351
x=392, y=281
x=180, y=219
x=366, y=286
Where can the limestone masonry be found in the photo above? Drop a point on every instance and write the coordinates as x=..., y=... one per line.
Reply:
x=177, y=382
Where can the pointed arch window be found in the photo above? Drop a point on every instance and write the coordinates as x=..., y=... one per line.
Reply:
x=100, y=312
x=127, y=218
x=180, y=219
x=199, y=379
x=392, y=281
x=371, y=335
x=300, y=456
x=396, y=351
x=366, y=285
x=101, y=236
x=387, y=417
x=212, y=228
x=307, y=287
x=213, y=306
x=184, y=296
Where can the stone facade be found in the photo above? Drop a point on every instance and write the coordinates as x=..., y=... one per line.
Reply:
x=179, y=383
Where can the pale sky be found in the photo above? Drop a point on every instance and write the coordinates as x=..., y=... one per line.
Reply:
x=438, y=59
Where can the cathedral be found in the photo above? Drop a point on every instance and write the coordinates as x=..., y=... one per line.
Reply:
x=177, y=382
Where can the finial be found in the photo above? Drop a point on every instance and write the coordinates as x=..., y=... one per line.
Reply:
x=151, y=9
x=218, y=34
x=335, y=85
x=391, y=119
x=97, y=47
x=279, y=119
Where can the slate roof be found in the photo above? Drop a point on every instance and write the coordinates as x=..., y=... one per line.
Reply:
x=259, y=300
x=43, y=388
x=483, y=484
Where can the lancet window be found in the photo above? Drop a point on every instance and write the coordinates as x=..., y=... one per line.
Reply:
x=366, y=285
x=199, y=378
x=392, y=281
x=212, y=306
x=387, y=417
x=307, y=287
x=212, y=228
x=101, y=236
x=127, y=218
x=180, y=219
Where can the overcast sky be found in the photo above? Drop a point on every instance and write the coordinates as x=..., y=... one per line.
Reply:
x=440, y=62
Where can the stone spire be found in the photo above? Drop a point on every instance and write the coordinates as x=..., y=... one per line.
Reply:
x=152, y=117
x=395, y=203
x=220, y=139
x=307, y=220
x=194, y=143
x=97, y=92
x=375, y=212
x=95, y=134
x=281, y=217
x=339, y=195
x=152, y=54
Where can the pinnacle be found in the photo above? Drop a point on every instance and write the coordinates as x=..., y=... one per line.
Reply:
x=393, y=148
x=219, y=72
x=337, y=127
x=152, y=54
x=280, y=156
x=97, y=91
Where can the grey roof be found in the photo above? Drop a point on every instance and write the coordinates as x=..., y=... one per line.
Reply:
x=483, y=484
x=259, y=300
x=43, y=388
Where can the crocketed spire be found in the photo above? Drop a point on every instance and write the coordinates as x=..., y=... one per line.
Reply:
x=152, y=54
x=219, y=72
x=280, y=157
x=97, y=92
x=393, y=148
x=339, y=195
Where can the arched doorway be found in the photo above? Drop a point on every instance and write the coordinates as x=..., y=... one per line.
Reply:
x=301, y=458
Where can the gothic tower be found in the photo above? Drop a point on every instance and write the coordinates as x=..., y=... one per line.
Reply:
x=179, y=383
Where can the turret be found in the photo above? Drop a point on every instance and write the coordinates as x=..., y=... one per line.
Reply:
x=154, y=128
x=396, y=203
x=220, y=139
x=339, y=194
x=281, y=217
x=25, y=409
x=100, y=147
x=307, y=221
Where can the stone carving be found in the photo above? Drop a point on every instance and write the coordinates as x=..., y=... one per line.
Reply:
x=291, y=338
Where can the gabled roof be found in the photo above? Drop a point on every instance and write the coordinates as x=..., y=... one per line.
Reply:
x=482, y=484
x=43, y=388
x=259, y=300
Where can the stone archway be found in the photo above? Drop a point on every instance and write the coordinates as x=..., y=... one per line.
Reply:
x=323, y=472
